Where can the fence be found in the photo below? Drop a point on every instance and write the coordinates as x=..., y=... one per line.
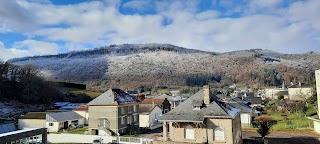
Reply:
x=80, y=138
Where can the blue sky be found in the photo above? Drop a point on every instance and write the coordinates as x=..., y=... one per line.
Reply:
x=39, y=27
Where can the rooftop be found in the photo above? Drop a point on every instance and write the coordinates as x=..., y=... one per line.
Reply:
x=157, y=101
x=146, y=109
x=185, y=112
x=64, y=116
x=113, y=97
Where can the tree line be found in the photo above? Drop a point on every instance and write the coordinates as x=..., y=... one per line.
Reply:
x=25, y=84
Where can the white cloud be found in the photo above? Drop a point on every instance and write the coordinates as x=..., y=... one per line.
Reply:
x=263, y=24
x=137, y=4
x=27, y=48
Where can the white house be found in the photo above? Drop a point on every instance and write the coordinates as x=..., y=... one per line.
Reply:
x=245, y=115
x=63, y=120
x=149, y=115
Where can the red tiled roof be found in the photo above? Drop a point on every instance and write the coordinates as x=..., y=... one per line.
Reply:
x=156, y=101
x=146, y=108
x=82, y=108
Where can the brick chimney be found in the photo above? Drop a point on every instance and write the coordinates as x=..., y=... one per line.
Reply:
x=206, y=94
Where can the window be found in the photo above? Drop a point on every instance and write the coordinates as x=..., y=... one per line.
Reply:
x=135, y=118
x=122, y=120
x=103, y=122
x=129, y=120
x=189, y=132
x=218, y=134
x=50, y=124
x=129, y=109
x=135, y=108
x=122, y=110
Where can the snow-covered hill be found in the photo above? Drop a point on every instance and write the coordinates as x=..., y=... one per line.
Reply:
x=133, y=65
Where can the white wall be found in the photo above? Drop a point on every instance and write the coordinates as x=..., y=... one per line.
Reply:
x=146, y=120
x=155, y=114
x=58, y=125
x=143, y=120
x=76, y=138
x=31, y=123
x=316, y=125
x=245, y=119
x=85, y=114
x=54, y=128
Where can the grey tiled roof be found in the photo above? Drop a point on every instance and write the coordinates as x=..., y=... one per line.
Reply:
x=186, y=112
x=64, y=116
x=120, y=98
x=244, y=108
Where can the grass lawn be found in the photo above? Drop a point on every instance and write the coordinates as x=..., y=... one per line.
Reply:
x=79, y=91
x=293, y=121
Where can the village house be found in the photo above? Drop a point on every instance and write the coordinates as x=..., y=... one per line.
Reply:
x=53, y=121
x=149, y=115
x=63, y=120
x=113, y=112
x=300, y=91
x=202, y=118
x=163, y=103
x=245, y=115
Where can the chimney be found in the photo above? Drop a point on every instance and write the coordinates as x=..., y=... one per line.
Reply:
x=206, y=91
x=300, y=84
x=283, y=84
x=112, y=96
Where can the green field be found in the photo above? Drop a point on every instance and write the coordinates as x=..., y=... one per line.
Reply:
x=80, y=91
x=293, y=121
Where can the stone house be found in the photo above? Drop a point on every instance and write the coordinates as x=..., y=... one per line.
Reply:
x=113, y=112
x=203, y=118
x=298, y=92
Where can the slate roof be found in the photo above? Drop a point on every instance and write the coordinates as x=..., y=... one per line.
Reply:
x=244, y=108
x=157, y=101
x=34, y=115
x=64, y=116
x=185, y=112
x=121, y=97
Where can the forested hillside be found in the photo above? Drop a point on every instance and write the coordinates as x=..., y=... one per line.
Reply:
x=24, y=84
x=134, y=65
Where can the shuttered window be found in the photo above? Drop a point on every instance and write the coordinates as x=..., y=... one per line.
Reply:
x=189, y=132
x=218, y=134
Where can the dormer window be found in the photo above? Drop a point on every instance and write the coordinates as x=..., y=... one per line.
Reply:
x=196, y=107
